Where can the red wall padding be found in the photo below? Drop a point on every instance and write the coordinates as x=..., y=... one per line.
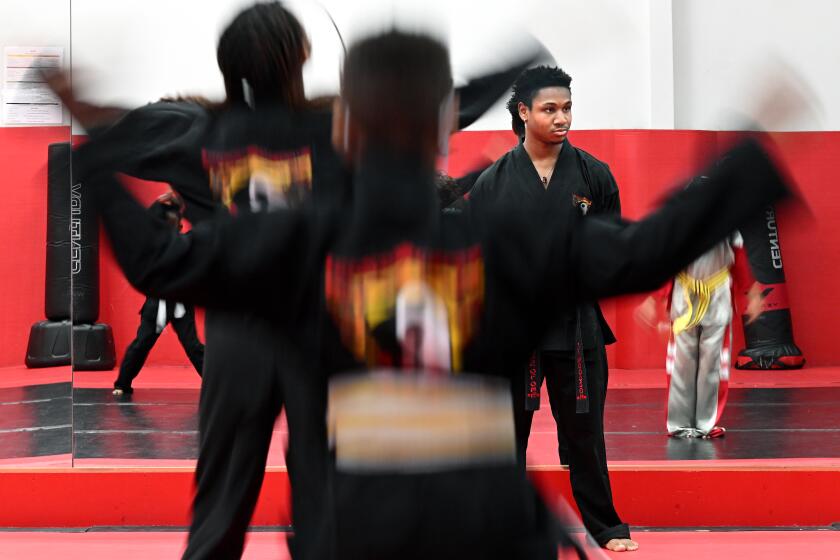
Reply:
x=644, y=162
x=23, y=231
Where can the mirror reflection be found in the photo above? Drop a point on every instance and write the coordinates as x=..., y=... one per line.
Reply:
x=143, y=410
x=35, y=332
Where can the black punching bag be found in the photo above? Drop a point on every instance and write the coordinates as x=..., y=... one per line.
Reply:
x=57, y=283
x=49, y=341
x=72, y=270
x=84, y=258
x=93, y=343
x=769, y=339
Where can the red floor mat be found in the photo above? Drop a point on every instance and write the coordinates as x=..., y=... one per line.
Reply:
x=685, y=545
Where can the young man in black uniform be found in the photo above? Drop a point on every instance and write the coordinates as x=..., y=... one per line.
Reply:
x=546, y=168
x=352, y=278
x=157, y=313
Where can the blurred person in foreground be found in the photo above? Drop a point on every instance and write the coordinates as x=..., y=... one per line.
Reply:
x=419, y=319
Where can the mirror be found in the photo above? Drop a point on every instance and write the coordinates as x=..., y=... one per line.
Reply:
x=35, y=376
x=117, y=339
x=156, y=346
x=118, y=64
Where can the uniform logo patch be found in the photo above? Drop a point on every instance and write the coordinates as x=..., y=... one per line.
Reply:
x=581, y=203
x=270, y=179
x=409, y=307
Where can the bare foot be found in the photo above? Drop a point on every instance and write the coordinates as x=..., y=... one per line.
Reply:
x=621, y=545
x=117, y=392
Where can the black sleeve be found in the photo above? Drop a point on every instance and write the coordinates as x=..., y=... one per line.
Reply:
x=612, y=198
x=252, y=262
x=481, y=197
x=153, y=142
x=608, y=198
x=157, y=142
x=611, y=257
x=466, y=182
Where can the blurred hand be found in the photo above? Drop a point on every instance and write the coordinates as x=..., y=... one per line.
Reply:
x=59, y=82
x=782, y=97
x=755, y=303
x=646, y=313
x=87, y=114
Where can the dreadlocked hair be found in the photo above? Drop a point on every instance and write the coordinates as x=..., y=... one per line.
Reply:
x=263, y=50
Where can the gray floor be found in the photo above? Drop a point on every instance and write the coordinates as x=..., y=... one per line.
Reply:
x=162, y=424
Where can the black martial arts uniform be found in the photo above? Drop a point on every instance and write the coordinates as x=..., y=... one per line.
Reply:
x=251, y=369
x=148, y=333
x=581, y=181
x=317, y=269
x=155, y=314
x=260, y=161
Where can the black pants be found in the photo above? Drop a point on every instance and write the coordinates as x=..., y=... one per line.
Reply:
x=580, y=437
x=485, y=513
x=139, y=348
x=251, y=371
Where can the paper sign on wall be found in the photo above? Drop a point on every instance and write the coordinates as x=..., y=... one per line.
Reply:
x=26, y=97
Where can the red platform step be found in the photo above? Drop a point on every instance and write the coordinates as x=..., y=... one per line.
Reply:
x=705, y=493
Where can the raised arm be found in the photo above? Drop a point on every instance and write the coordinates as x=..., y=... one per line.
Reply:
x=157, y=142
x=611, y=258
x=89, y=115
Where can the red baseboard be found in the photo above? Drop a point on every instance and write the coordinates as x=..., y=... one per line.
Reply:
x=716, y=497
x=118, y=497
x=659, y=496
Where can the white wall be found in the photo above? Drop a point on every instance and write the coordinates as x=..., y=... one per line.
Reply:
x=603, y=45
x=135, y=51
x=721, y=47
x=634, y=63
x=126, y=52
x=35, y=23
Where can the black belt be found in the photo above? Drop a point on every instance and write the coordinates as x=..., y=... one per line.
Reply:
x=581, y=396
x=534, y=378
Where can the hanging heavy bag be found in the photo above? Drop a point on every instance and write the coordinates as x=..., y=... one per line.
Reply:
x=71, y=279
x=769, y=339
x=49, y=341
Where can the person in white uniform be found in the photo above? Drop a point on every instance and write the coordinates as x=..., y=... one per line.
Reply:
x=701, y=302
